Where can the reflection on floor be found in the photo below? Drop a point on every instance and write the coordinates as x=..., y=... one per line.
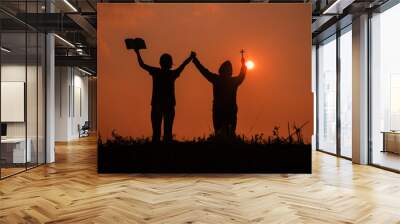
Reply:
x=386, y=159
x=71, y=191
x=11, y=169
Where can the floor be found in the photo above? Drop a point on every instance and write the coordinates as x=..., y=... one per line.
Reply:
x=70, y=191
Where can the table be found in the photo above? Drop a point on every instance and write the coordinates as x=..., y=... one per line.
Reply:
x=391, y=141
x=13, y=150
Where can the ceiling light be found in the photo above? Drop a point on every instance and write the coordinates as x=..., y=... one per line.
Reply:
x=65, y=41
x=84, y=71
x=5, y=50
x=70, y=5
x=79, y=51
x=338, y=6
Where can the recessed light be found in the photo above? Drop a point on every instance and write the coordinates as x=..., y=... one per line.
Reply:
x=64, y=40
x=70, y=5
x=84, y=71
x=5, y=50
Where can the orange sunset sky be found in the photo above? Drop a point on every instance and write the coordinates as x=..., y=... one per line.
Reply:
x=276, y=37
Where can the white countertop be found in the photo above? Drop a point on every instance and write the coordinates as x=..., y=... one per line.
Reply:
x=13, y=140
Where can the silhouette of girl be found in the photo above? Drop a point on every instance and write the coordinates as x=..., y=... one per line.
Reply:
x=163, y=96
x=224, y=91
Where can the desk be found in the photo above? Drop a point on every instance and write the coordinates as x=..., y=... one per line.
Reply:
x=391, y=141
x=13, y=150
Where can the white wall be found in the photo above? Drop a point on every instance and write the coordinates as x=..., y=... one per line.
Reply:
x=71, y=102
x=16, y=73
x=12, y=73
x=62, y=81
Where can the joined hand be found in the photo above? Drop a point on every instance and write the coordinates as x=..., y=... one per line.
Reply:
x=192, y=54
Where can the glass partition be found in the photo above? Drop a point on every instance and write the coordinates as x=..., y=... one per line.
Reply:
x=14, y=153
x=31, y=99
x=22, y=88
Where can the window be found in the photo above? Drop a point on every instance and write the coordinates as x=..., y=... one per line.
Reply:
x=385, y=89
x=346, y=93
x=327, y=95
x=334, y=94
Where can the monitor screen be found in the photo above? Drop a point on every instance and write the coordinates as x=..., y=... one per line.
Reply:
x=3, y=129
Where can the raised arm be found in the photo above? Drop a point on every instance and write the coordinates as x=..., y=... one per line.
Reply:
x=179, y=70
x=142, y=64
x=211, y=77
x=242, y=74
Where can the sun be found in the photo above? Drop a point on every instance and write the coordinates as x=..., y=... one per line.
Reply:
x=249, y=64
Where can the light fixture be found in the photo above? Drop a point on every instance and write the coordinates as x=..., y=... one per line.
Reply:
x=70, y=5
x=5, y=50
x=65, y=41
x=337, y=7
x=84, y=71
x=80, y=51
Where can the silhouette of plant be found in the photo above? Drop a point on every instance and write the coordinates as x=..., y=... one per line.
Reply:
x=297, y=132
x=295, y=137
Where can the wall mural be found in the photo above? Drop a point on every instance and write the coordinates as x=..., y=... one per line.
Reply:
x=204, y=87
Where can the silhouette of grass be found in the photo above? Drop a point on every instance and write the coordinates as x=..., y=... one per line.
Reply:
x=212, y=154
x=294, y=138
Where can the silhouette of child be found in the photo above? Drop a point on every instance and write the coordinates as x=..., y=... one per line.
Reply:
x=163, y=95
x=224, y=91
